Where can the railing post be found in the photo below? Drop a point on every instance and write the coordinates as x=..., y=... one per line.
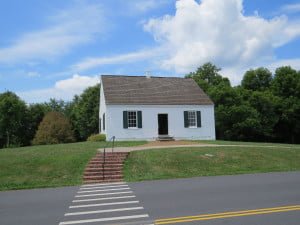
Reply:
x=113, y=144
x=103, y=164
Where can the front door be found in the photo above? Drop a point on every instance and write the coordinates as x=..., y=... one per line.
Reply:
x=162, y=124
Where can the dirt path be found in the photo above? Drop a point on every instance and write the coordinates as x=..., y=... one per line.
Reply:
x=181, y=144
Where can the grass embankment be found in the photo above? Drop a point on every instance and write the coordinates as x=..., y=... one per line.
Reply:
x=47, y=165
x=209, y=161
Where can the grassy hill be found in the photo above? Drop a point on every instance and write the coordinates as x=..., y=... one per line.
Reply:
x=210, y=161
x=47, y=165
x=63, y=165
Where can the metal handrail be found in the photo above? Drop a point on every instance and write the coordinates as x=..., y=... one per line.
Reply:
x=104, y=151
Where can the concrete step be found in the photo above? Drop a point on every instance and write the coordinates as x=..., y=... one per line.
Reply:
x=106, y=166
x=113, y=154
x=101, y=173
x=102, y=181
x=165, y=138
x=99, y=169
x=106, y=160
x=111, y=164
x=106, y=177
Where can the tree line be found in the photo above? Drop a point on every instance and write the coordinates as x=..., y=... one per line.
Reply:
x=264, y=107
x=19, y=121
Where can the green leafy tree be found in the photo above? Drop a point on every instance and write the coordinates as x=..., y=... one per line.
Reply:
x=12, y=119
x=55, y=128
x=84, y=113
x=55, y=105
x=207, y=76
x=257, y=80
x=286, y=85
x=286, y=82
x=267, y=105
x=35, y=114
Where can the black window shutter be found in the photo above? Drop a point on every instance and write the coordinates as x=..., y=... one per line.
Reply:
x=186, y=122
x=125, y=120
x=198, y=119
x=139, y=119
x=103, y=121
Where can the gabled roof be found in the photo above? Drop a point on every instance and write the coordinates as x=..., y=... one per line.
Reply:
x=142, y=90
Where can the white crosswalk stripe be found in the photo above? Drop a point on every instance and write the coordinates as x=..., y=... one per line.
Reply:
x=109, y=203
x=111, y=193
x=103, y=199
x=101, y=187
x=102, y=190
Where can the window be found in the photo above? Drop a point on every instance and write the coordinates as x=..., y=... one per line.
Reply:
x=132, y=119
x=192, y=119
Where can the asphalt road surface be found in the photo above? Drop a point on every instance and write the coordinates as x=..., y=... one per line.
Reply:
x=231, y=194
x=268, y=199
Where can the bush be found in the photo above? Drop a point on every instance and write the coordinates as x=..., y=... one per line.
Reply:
x=97, y=137
x=55, y=128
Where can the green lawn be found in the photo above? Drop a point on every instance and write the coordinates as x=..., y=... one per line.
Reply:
x=47, y=165
x=221, y=142
x=192, y=162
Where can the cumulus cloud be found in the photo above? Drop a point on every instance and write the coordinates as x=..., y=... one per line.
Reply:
x=218, y=31
x=68, y=28
x=63, y=89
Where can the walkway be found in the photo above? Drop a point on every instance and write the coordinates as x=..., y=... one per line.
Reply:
x=183, y=144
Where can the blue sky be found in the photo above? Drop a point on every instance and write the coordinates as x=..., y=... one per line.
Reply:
x=57, y=48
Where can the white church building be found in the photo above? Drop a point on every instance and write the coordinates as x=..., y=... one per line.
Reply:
x=150, y=108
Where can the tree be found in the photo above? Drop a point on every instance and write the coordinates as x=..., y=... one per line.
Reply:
x=267, y=105
x=207, y=76
x=12, y=119
x=257, y=80
x=286, y=85
x=55, y=105
x=84, y=112
x=286, y=82
x=35, y=114
x=55, y=128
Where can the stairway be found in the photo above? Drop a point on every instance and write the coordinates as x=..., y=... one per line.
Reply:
x=165, y=138
x=111, y=171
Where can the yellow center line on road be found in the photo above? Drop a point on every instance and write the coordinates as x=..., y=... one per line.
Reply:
x=227, y=214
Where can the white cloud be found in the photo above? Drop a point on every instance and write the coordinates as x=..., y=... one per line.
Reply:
x=291, y=8
x=90, y=63
x=63, y=89
x=218, y=31
x=70, y=27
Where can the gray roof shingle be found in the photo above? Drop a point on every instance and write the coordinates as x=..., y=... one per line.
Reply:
x=142, y=90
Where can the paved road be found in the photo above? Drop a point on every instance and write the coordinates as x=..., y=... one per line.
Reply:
x=161, y=200
x=35, y=207
x=207, y=195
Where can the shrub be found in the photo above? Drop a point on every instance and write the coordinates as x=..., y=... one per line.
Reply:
x=97, y=137
x=55, y=128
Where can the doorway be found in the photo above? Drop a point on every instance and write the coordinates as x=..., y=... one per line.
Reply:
x=162, y=124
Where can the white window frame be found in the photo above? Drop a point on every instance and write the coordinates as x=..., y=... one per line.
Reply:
x=136, y=119
x=189, y=119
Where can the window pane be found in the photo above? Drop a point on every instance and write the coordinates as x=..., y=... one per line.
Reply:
x=132, y=119
x=192, y=118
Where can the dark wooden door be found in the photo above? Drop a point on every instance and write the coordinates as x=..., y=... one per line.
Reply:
x=162, y=124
